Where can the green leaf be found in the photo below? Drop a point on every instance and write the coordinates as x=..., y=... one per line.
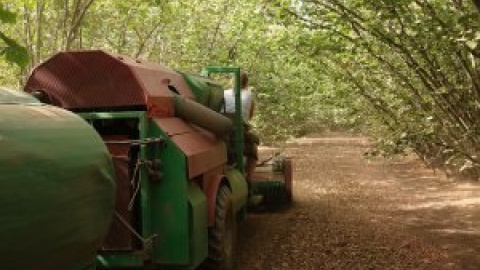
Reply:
x=7, y=16
x=14, y=52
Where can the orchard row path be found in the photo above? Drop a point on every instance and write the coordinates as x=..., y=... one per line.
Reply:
x=353, y=213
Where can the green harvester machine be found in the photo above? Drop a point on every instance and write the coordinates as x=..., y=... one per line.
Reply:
x=124, y=164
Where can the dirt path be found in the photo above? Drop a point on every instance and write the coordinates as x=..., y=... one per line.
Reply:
x=351, y=213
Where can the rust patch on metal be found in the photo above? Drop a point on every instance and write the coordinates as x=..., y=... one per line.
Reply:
x=160, y=106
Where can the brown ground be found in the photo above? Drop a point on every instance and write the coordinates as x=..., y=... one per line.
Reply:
x=352, y=213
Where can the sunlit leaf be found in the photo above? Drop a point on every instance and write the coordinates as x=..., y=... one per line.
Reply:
x=14, y=52
x=7, y=16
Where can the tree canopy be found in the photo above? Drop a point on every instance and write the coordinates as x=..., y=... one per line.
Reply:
x=405, y=72
x=9, y=48
x=415, y=66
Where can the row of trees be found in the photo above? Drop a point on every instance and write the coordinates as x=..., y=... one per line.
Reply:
x=187, y=35
x=414, y=63
x=403, y=71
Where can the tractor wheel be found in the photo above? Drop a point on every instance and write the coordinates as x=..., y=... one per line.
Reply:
x=222, y=236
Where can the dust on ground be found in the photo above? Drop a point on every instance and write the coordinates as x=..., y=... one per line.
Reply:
x=354, y=213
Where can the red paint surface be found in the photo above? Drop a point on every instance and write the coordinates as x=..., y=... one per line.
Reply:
x=95, y=79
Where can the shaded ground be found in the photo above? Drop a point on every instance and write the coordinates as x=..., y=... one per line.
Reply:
x=351, y=213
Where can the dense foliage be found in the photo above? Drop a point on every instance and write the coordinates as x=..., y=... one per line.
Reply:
x=187, y=35
x=403, y=71
x=415, y=64
x=9, y=48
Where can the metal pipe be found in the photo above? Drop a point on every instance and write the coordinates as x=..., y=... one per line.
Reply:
x=202, y=116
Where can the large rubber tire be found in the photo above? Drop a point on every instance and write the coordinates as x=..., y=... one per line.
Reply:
x=223, y=234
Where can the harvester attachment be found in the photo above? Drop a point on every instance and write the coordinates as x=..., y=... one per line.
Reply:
x=273, y=181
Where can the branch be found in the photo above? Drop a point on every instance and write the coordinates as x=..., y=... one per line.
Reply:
x=79, y=14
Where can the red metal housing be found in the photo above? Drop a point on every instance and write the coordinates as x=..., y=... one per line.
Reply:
x=85, y=80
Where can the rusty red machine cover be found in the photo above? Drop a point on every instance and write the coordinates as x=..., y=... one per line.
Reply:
x=117, y=82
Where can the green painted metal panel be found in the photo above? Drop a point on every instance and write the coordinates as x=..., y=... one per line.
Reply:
x=169, y=203
x=145, y=213
x=198, y=225
x=146, y=207
x=166, y=207
x=239, y=188
x=57, y=189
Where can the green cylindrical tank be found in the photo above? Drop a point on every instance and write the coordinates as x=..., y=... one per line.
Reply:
x=56, y=187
